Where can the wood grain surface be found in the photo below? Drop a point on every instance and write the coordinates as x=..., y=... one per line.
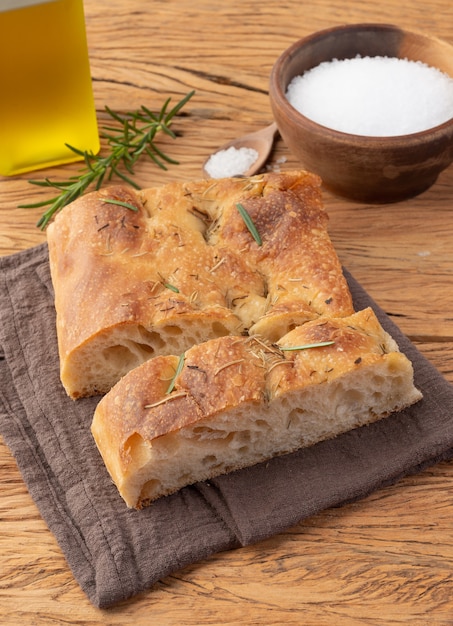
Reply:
x=386, y=560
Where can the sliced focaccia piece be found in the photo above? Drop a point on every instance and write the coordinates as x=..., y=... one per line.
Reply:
x=151, y=273
x=235, y=401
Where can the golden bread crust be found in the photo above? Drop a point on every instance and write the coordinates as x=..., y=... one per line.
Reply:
x=227, y=380
x=194, y=324
x=183, y=268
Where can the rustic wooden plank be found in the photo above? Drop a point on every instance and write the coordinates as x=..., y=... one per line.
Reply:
x=384, y=560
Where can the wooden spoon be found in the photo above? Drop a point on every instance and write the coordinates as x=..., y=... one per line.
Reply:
x=261, y=140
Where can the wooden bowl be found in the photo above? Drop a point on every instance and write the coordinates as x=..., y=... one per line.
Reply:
x=371, y=169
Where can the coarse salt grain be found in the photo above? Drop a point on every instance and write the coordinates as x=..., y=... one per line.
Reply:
x=275, y=167
x=230, y=162
x=374, y=96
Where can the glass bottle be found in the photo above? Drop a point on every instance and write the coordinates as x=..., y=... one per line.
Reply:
x=46, y=97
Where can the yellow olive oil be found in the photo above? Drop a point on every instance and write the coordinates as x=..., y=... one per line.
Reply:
x=46, y=98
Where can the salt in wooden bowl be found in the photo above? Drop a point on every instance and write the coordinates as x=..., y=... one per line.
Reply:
x=360, y=167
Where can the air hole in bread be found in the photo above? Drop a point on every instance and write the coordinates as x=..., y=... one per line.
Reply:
x=219, y=330
x=205, y=432
x=137, y=448
x=125, y=357
x=172, y=331
x=209, y=460
x=151, y=338
x=143, y=349
x=261, y=424
x=286, y=403
x=295, y=417
x=150, y=488
x=353, y=396
x=243, y=436
x=120, y=357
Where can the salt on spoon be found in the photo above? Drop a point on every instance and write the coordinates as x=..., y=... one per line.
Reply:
x=244, y=156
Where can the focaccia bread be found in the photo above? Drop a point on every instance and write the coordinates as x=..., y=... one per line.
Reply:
x=179, y=266
x=237, y=401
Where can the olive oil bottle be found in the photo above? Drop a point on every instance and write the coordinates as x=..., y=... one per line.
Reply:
x=46, y=98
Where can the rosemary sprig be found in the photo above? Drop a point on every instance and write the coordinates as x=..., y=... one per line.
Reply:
x=179, y=367
x=249, y=223
x=126, y=205
x=307, y=346
x=171, y=287
x=134, y=138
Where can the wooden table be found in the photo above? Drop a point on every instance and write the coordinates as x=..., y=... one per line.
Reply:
x=387, y=559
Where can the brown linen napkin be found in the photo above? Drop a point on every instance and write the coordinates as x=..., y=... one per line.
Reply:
x=114, y=552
